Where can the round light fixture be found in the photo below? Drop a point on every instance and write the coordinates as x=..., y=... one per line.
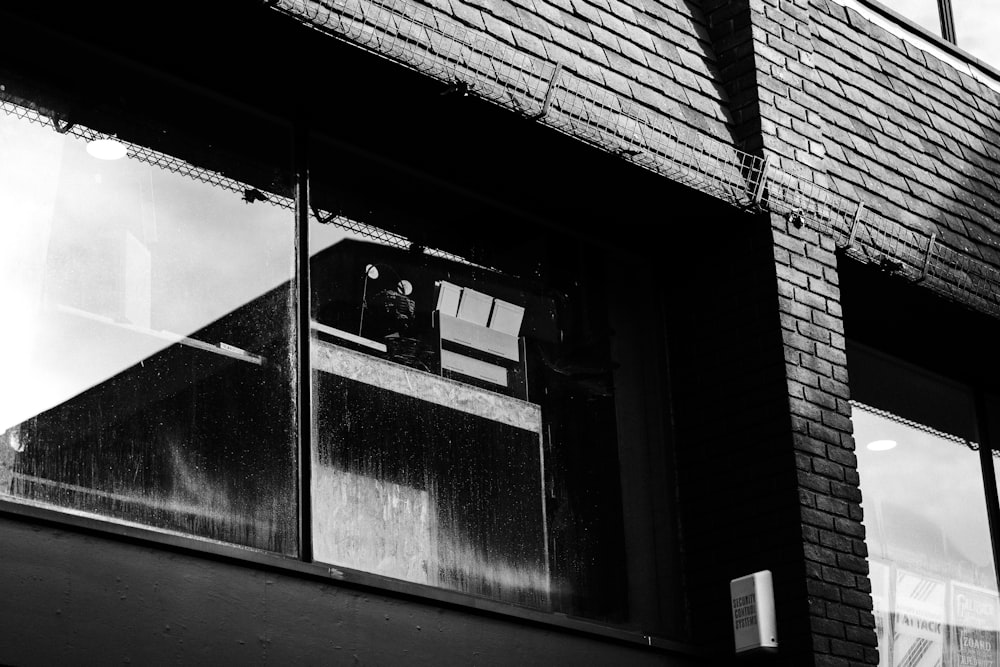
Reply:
x=107, y=149
x=881, y=445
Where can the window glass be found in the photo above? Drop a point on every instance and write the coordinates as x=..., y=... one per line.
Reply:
x=428, y=464
x=975, y=29
x=464, y=398
x=922, y=12
x=146, y=348
x=934, y=585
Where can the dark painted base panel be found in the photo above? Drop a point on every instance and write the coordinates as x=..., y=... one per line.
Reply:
x=72, y=598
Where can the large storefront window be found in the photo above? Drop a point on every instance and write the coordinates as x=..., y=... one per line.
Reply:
x=934, y=584
x=475, y=379
x=146, y=347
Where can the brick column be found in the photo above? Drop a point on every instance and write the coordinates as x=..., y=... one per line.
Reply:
x=812, y=328
x=839, y=600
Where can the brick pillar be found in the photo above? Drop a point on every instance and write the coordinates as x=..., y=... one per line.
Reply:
x=836, y=572
x=812, y=328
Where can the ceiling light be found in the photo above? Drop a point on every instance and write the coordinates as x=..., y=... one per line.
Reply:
x=881, y=445
x=107, y=149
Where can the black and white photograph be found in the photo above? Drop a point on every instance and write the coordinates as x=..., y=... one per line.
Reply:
x=518, y=333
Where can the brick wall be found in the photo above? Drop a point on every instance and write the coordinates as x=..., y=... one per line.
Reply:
x=653, y=52
x=910, y=135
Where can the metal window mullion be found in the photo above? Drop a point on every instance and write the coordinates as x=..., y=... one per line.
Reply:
x=303, y=312
x=986, y=445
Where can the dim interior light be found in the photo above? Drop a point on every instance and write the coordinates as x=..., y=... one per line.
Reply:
x=881, y=445
x=106, y=149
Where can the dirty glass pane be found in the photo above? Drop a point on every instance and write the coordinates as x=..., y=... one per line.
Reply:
x=934, y=584
x=922, y=12
x=146, y=345
x=976, y=29
x=464, y=409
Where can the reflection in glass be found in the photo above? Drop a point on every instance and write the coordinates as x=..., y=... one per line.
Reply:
x=146, y=345
x=413, y=482
x=922, y=12
x=428, y=462
x=464, y=419
x=933, y=579
x=976, y=29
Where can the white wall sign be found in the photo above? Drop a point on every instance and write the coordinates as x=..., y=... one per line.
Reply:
x=752, y=602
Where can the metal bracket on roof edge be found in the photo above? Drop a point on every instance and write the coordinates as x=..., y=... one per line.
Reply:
x=61, y=125
x=549, y=91
x=929, y=257
x=323, y=219
x=761, y=185
x=854, y=224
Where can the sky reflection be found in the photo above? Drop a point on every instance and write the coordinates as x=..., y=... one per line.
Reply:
x=93, y=253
